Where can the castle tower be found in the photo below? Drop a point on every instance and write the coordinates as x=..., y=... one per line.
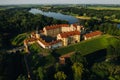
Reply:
x=79, y=28
x=37, y=34
x=26, y=46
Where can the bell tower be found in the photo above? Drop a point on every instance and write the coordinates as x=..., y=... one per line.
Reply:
x=37, y=34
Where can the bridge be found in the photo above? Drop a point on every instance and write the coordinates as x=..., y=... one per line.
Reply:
x=17, y=49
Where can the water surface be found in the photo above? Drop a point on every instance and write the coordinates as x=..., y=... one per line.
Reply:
x=55, y=15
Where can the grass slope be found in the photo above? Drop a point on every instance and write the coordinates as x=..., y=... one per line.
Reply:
x=104, y=8
x=88, y=46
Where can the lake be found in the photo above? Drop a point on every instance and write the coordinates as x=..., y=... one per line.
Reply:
x=55, y=15
x=118, y=25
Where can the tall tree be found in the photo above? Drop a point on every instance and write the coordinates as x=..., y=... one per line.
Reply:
x=60, y=75
x=77, y=70
x=21, y=77
x=77, y=57
x=113, y=51
x=40, y=73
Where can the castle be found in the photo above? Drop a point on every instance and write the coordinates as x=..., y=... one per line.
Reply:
x=92, y=35
x=55, y=36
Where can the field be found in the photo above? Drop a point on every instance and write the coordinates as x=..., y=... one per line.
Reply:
x=103, y=8
x=83, y=17
x=116, y=20
x=88, y=46
x=2, y=9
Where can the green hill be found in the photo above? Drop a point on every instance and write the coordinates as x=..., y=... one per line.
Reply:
x=88, y=46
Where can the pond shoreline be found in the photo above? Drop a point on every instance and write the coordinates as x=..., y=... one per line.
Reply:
x=56, y=15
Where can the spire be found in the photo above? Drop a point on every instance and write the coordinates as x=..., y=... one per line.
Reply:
x=36, y=30
x=37, y=34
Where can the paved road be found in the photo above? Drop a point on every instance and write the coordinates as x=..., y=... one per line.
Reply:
x=14, y=50
x=27, y=67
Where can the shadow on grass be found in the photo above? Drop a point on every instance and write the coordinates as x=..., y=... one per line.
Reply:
x=97, y=56
x=55, y=55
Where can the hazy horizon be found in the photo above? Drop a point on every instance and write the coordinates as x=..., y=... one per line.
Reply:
x=17, y=2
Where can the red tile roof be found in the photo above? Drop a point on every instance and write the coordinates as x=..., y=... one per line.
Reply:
x=54, y=42
x=33, y=34
x=75, y=25
x=67, y=55
x=41, y=31
x=71, y=33
x=29, y=40
x=56, y=26
x=95, y=33
x=47, y=44
x=41, y=40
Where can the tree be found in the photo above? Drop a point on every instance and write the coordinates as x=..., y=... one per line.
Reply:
x=116, y=77
x=77, y=70
x=113, y=17
x=60, y=75
x=110, y=51
x=57, y=66
x=40, y=73
x=77, y=57
x=21, y=77
x=0, y=40
x=113, y=51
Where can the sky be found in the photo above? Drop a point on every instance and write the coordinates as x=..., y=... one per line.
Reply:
x=3, y=2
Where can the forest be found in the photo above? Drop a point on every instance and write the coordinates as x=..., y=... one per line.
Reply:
x=84, y=11
x=97, y=59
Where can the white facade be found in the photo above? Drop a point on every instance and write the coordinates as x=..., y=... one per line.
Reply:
x=59, y=44
x=65, y=29
x=52, y=46
x=41, y=44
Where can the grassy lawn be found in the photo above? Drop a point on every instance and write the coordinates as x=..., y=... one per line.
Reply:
x=89, y=46
x=104, y=8
x=116, y=20
x=2, y=9
x=18, y=40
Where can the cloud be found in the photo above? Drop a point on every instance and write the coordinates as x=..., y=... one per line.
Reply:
x=59, y=1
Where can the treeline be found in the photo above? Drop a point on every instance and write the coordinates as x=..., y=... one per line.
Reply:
x=11, y=65
x=103, y=25
x=19, y=20
x=87, y=12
